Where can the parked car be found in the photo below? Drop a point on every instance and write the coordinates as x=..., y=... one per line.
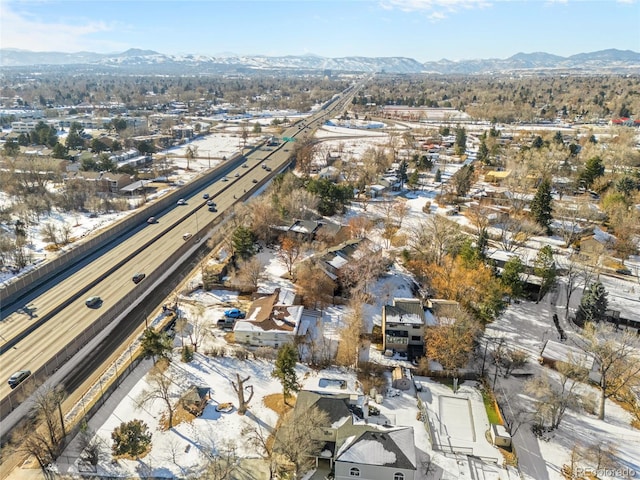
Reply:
x=226, y=322
x=93, y=301
x=205, y=196
x=187, y=236
x=138, y=277
x=182, y=201
x=623, y=271
x=373, y=411
x=18, y=377
x=151, y=220
x=234, y=313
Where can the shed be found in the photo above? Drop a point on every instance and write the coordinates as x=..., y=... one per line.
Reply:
x=500, y=437
x=195, y=399
x=401, y=379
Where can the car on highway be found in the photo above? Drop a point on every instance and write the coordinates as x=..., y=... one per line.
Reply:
x=93, y=301
x=264, y=165
x=234, y=313
x=151, y=220
x=210, y=203
x=182, y=201
x=187, y=236
x=18, y=377
x=205, y=196
x=237, y=174
x=244, y=165
x=224, y=179
x=268, y=169
x=138, y=277
x=212, y=208
x=255, y=180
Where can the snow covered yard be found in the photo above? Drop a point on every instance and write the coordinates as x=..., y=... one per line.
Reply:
x=527, y=326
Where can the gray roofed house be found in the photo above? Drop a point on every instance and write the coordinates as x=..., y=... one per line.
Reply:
x=403, y=327
x=377, y=455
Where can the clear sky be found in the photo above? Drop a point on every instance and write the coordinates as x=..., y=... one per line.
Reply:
x=425, y=30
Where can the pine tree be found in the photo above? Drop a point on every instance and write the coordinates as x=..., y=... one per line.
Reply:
x=131, y=438
x=593, y=168
x=541, y=205
x=285, y=370
x=593, y=304
x=511, y=276
x=242, y=240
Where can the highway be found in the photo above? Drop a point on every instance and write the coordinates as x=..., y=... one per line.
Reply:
x=61, y=308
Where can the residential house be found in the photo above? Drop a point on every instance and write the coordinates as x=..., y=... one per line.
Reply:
x=105, y=181
x=270, y=323
x=403, y=327
x=375, y=454
x=353, y=447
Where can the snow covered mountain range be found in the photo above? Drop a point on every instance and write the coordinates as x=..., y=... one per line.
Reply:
x=604, y=61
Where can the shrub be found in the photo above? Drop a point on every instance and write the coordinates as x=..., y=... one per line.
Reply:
x=187, y=354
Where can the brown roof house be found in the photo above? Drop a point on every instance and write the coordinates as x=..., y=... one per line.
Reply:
x=270, y=323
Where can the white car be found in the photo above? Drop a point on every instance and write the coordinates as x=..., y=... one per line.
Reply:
x=182, y=201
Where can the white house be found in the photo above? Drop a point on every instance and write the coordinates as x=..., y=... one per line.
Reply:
x=271, y=323
x=378, y=455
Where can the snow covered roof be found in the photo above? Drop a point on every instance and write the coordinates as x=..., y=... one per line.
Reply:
x=265, y=315
x=404, y=310
x=388, y=448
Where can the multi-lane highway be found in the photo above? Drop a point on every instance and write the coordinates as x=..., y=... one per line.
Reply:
x=109, y=276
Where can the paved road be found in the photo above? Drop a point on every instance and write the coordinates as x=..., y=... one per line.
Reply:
x=113, y=282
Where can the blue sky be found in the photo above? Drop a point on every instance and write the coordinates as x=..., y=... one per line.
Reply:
x=425, y=30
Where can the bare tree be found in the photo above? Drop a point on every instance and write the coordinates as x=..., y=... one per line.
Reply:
x=573, y=274
x=251, y=272
x=433, y=238
x=299, y=438
x=260, y=439
x=289, y=252
x=516, y=232
x=616, y=358
x=554, y=398
x=197, y=328
x=351, y=333
x=161, y=387
x=240, y=387
x=223, y=465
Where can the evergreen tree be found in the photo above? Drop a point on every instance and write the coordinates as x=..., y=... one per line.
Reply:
x=483, y=153
x=461, y=141
x=593, y=304
x=545, y=268
x=242, y=240
x=74, y=137
x=593, y=168
x=285, y=370
x=557, y=138
x=156, y=344
x=11, y=148
x=511, y=276
x=59, y=151
x=438, y=176
x=131, y=438
x=541, y=205
x=402, y=173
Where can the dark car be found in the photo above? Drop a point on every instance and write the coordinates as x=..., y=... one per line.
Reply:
x=255, y=180
x=93, y=301
x=623, y=271
x=205, y=196
x=18, y=377
x=138, y=277
x=212, y=208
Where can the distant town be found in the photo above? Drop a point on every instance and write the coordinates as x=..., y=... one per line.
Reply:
x=322, y=275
